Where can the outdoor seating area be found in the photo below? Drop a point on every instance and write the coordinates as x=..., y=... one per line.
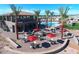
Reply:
x=42, y=38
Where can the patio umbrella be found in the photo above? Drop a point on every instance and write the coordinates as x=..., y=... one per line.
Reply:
x=32, y=38
x=50, y=35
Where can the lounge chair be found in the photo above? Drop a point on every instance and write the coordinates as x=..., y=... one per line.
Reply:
x=32, y=45
x=24, y=38
x=53, y=30
x=60, y=41
x=52, y=42
x=57, y=28
x=46, y=45
x=38, y=46
x=42, y=38
x=68, y=35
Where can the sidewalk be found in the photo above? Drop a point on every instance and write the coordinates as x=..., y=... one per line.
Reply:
x=71, y=49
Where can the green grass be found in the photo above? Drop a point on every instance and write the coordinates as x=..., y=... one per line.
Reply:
x=68, y=26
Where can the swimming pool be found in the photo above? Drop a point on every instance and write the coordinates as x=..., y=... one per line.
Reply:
x=51, y=23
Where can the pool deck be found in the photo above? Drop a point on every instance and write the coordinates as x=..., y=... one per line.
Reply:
x=25, y=46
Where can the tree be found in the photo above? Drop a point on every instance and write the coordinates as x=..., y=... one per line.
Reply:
x=16, y=11
x=37, y=13
x=63, y=13
x=47, y=12
x=51, y=14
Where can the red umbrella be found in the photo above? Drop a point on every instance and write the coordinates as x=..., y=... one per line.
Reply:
x=36, y=29
x=50, y=35
x=32, y=38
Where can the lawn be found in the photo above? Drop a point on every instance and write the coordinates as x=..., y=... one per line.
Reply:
x=75, y=27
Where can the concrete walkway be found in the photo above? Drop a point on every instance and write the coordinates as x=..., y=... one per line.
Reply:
x=72, y=48
x=25, y=45
x=75, y=46
x=41, y=52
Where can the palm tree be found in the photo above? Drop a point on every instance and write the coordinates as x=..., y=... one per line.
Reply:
x=51, y=14
x=63, y=13
x=47, y=12
x=16, y=11
x=37, y=13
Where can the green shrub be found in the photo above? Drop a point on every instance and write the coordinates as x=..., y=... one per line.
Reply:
x=68, y=26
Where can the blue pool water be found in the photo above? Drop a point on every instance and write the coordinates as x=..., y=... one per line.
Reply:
x=51, y=23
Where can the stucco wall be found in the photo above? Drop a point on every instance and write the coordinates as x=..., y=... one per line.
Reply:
x=9, y=24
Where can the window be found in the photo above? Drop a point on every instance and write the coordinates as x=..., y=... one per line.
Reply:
x=8, y=18
x=3, y=17
x=0, y=17
x=13, y=18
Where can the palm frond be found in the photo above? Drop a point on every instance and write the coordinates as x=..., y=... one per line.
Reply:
x=63, y=12
x=47, y=12
x=51, y=13
x=37, y=12
x=16, y=10
x=66, y=10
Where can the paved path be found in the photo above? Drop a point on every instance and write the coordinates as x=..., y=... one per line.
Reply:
x=75, y=46
x=1, y=30
x=71, y=49
x=9, y=50
x=25, y=48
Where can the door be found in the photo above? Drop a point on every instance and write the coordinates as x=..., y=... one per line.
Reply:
x=13, y=28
